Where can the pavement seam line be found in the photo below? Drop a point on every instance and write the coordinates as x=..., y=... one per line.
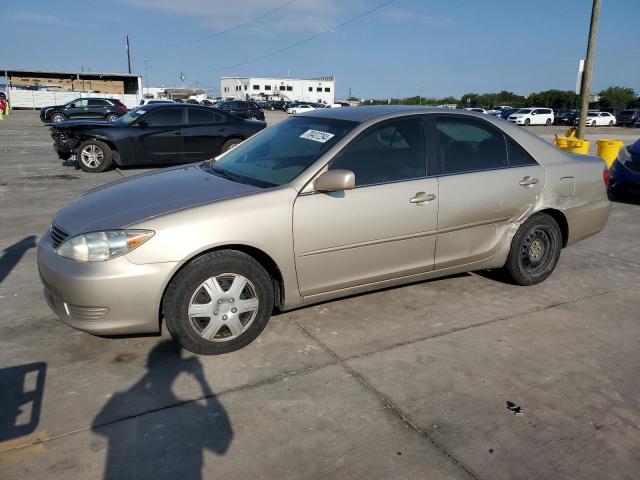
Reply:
x=386, y=401
x=336, y=361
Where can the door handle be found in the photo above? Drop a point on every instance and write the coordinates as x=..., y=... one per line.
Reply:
x=422, y=197
x=528, y=181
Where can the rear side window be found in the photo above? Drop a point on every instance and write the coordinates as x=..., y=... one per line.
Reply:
x=200, y=116
x=390, y=152
x=467, y=145
x=164, y=117
x=95, y=102
x=517, y=156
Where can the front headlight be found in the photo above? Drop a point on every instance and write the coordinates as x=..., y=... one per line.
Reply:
x=101, y=246
x=624, y=155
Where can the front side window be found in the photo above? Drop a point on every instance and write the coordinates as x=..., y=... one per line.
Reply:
x=80, y=103
x=387, y=153
x=280, y=153
x=467, y=145
x=164, y=117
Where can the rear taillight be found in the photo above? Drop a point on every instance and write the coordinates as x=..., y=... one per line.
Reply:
x=122, y=107
x=605, y=177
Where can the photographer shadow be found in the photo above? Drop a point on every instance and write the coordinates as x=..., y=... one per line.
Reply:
x=166, y=441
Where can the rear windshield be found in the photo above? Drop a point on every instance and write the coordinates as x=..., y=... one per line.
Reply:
x=280, y=153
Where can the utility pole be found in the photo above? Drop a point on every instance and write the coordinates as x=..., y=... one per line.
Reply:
x=585, y=89
x=146, y=73
x=128, y=54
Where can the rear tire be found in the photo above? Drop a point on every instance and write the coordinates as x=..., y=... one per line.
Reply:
x=535, y=250
x=112, y=117
x=548, y=122
x=94, y=156
x=206, y=313
x=229, y=144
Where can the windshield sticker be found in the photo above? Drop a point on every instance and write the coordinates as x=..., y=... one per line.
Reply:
x=317, y=136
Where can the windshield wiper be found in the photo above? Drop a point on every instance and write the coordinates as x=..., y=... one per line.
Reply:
x=227, y=174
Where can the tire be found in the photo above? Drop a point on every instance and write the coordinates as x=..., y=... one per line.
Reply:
x=58, y=117
x=94, y=156
x=272, y=108
x=251, y=118
x=548, y=122
x=529, y=263
x=208, y=281
x=229, y=144
x=611, y=123
x=527, y=122
x=111, y=117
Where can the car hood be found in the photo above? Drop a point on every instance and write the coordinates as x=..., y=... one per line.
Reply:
x=140, y=197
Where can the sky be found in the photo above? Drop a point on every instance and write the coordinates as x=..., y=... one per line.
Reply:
x=435, y=48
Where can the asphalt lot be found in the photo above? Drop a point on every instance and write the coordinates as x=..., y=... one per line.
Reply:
x=462, y=377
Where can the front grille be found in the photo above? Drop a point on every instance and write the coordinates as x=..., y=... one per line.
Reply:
x=57, y=236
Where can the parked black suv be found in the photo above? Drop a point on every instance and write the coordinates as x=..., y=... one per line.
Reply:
x=109, y=109
x=248, y=110
x=627, y=118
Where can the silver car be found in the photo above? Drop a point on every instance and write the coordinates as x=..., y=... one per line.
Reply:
x=322, y=205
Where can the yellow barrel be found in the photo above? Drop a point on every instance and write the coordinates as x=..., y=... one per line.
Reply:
x=607, y=149
x=575, y=145
x=572, y=132
x=561, y=142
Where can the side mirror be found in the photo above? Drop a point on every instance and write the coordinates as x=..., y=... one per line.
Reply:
x=143, y=124
x=335, y=180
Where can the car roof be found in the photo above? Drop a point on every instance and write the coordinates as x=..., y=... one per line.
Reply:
x=366, y=112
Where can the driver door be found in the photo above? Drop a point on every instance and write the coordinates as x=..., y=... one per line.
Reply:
x=157, y=136
x=384, y=228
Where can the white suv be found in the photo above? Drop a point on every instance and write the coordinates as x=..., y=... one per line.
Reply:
x=532, y=116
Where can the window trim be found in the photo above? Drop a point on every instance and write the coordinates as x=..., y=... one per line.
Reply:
x=435, y=142
x=425, y=151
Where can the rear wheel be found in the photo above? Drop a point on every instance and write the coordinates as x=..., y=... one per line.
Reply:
x=218, y=303
x=548, y=122
x=229, y=144
x=94, y=156
x=535, y=250
x=58, y=117
x=112, y=117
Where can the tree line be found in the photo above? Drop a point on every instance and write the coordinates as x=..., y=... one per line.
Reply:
x=614, y=96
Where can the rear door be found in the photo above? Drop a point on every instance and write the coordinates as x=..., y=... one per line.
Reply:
x=78, y=109
x=486, y=181
x=157, y=136
x=204, y=133
x=97, y=107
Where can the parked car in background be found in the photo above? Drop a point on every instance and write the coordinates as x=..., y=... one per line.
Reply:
x=595, y=119
x=566, y=117
x=151, y=101
x=152, y=135
x=276, y=105
x=287, y=220
x=624, y=175
x=532, y=116
x=637, y=124
x=300, y=109
x=477, y=110
x=615, y=111
x=498, y=109
x=627, y=118
x=504, y=114
x=192, y=101
x=109, y=109
x=207, y=102
x=241, y=108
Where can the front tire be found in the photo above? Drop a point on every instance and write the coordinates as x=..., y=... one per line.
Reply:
x=535, y=250
x=58, y=117
x=527, y=122
x=94, y=156
x=218, y=303
x=611, y=123
x=229, y=144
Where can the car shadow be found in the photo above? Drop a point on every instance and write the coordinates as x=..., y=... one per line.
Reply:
x=168, y=438
x=625, y=198
x=12, y=255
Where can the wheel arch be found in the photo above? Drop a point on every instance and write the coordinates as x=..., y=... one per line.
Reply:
x=260, y=256
x=115, y=152
x=561, y=220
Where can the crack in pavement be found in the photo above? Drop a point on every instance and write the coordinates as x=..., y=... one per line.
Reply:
x=336, y=360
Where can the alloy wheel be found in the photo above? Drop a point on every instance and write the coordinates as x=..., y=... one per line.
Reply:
x=92, y=156
x=223, y=307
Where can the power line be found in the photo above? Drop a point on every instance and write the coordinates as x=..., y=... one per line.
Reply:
x=235, y=27
x=308, y=39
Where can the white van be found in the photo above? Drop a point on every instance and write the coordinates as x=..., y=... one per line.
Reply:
x=532, y=116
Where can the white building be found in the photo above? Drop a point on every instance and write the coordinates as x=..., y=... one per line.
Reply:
x=321, y=89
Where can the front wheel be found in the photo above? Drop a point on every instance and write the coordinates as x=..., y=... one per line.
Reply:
x=535, y=250
x=218, y=303
x=58, y=117
x=611, y=123
x=527, y=122
x=94, y=156
x=229, y=144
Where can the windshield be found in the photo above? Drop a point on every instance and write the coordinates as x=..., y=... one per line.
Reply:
x=130, y=116
x=592, y=114
x=280, y=153
x=524, y=110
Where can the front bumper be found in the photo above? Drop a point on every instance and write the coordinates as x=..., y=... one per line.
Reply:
x=519, y=121
x=110, y=298
x=621, y=179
